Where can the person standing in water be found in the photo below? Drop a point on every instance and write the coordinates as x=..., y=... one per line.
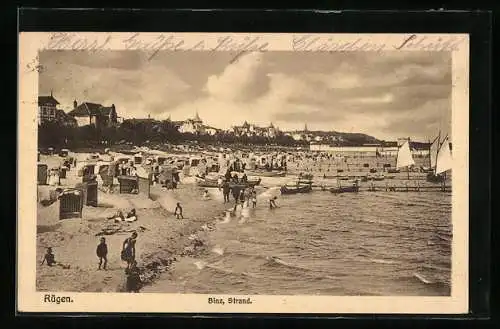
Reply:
x=226, y=189
x=242, y=198
x=254, y=198
x=102, y=253
x=178, y=211
x=272, y=203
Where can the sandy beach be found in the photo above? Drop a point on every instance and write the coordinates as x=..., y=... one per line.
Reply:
x=162, y=238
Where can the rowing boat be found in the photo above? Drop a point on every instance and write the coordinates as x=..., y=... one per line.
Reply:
x=296, y=189
x=264, y=173
x=346, y=189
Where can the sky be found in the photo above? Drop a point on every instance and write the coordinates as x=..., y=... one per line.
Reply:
x=387, y=95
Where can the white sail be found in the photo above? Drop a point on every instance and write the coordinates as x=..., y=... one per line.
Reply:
x=444, y=160
x=433, y=153
x=405, y=159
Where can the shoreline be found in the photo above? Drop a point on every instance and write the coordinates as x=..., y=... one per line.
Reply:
x=162, y=239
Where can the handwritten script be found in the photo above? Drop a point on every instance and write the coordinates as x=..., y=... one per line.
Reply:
x=248, y=43
x=162, y=42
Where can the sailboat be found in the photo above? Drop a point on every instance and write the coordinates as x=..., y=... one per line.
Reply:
x=441, y=160
x=404, y=157
x=444, y=161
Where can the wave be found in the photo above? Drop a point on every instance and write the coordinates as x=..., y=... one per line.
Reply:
x=270, y=193
x=276, y=261
x=407, y=226
x=226, y=271
x=444, y=237
x=438, y=268
x=383, y=261
x=423, y=279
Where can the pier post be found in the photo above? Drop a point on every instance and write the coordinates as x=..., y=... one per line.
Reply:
x=386, y=186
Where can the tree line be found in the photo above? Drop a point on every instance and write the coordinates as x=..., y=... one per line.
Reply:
x=54, y=134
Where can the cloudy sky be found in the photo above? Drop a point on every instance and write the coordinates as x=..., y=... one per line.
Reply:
x=387, y=95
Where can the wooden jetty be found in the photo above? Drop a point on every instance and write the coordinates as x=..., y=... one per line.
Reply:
x=389, y=187
x=406, y=188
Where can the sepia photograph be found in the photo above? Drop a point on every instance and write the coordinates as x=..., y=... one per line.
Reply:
x=236, y=173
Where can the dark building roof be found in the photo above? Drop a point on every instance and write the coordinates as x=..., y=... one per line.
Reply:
x=106, y=110
x=136, y=121
x=47, y=100
x=63, y=115
x=87, y=108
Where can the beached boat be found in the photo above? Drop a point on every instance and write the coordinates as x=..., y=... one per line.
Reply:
x=210, y=182
x=253, y=182
x=345, y=189
x=376, y=177
x=243, y=185
x=249, y=183
x=206, y=182
x=306, y=188
x=393, y=171
x=265, y=173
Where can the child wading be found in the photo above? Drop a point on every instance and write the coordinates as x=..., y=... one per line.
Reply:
x=225, y=191
x=254, y=199
x=102, y=253
x=178, y=211
x=272, y=203
x=128, y=250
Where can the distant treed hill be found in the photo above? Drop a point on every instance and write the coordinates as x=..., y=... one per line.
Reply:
x=52, y=134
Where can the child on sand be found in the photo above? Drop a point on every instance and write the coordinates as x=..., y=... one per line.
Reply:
x=102, y=253
x=178, y=211
x=49, y=258
x=131, y=216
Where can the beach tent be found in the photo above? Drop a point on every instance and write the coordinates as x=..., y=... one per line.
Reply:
x=138, y=159
x=42, y=174
x=71, y=204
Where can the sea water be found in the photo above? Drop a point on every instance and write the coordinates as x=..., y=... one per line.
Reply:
x=371, y=243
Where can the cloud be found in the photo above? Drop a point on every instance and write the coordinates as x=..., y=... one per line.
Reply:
x=135, y=93
x=237, y=79
x=386, y=95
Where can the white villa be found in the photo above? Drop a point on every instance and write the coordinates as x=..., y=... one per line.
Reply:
x=195, y=126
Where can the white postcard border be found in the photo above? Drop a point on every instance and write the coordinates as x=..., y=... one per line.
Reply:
x=29, y=300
